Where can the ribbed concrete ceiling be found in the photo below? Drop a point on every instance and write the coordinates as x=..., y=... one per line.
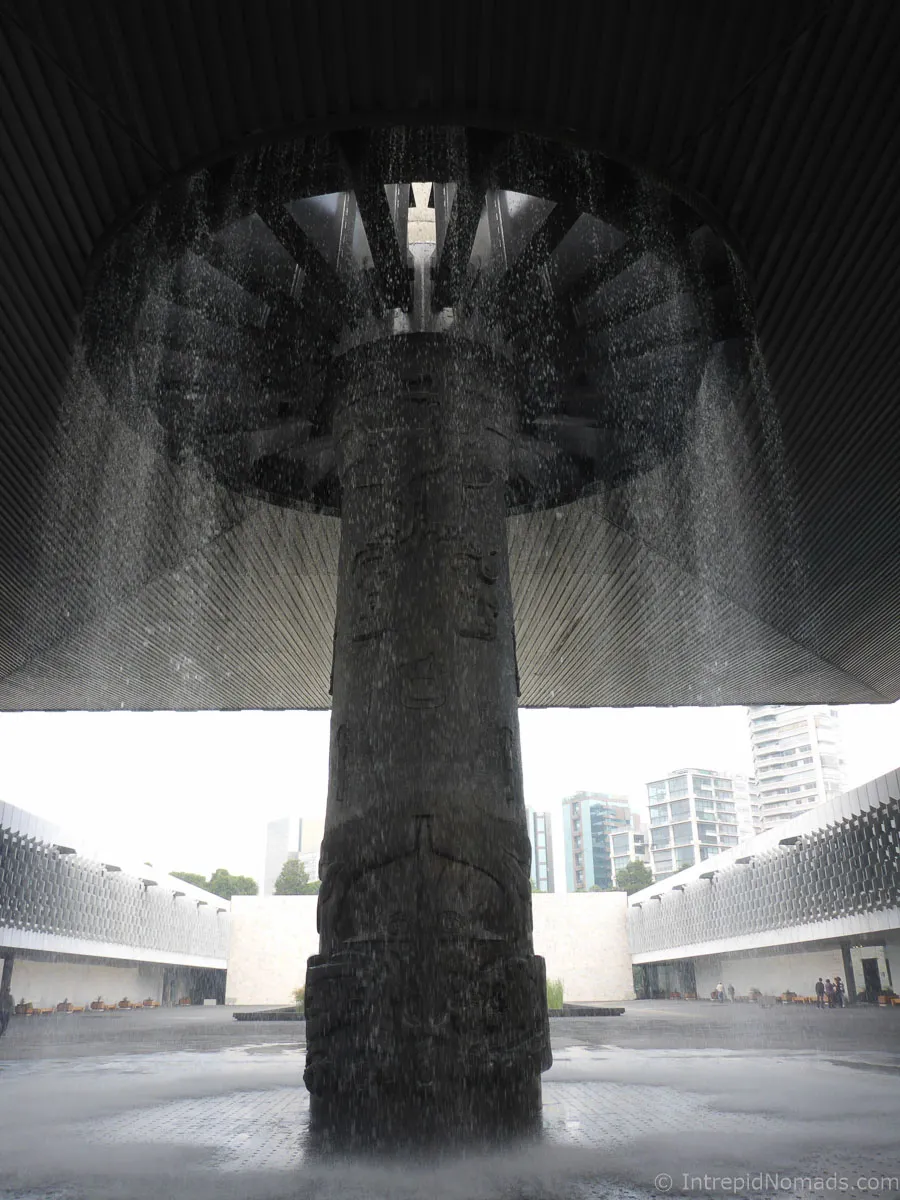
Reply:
x=763, y=567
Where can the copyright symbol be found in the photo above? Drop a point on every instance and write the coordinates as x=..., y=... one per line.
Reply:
x=663, y=1183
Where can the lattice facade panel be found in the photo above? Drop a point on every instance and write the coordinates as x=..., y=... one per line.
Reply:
x=840, y=860
x=47, y=889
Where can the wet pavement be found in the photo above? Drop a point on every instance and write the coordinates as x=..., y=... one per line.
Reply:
x=668, y=1099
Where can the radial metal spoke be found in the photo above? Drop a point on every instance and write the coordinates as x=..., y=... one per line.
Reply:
x=254, y=283
x=620, y=309
x=305, y=324
x=399, y=199
x=586, y=357
x=247, y=446
x=450, y=270
x=635, y=344
x=186, y=288
x=544, y=242
x=390, y=263
x=325, y=280
x=212, y=343
x=456, y=250
x=387, y=254
x=605, y=271
x=498, y=225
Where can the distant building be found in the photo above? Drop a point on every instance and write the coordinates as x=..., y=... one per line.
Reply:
x=810, y=898
x=588, y=820
x=747, y=807
x=797, y=759
x=78, y=920
x=291, y=839
x=541, y=837
x=627, y=846
x=695, y=813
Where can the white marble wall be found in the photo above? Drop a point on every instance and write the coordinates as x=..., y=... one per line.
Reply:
x=46, y=984
x=771, y=973
x=271, y=939
x=584, y=938
x=581, y=935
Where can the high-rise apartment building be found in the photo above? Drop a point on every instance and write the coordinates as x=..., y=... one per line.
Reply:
x=695, y=813
x=541, y=837
x=797, y=758
x=627, y=846
x=746, y=803
x=289, y=839
x=588, y=820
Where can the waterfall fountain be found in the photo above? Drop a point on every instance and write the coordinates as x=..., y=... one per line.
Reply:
x=321, y=329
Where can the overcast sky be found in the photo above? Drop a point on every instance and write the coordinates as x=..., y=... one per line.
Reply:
x=193, y=791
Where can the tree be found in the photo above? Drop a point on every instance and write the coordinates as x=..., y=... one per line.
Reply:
x=223, y=883
x=634, y=877
x=294, y=880
x=189, y=877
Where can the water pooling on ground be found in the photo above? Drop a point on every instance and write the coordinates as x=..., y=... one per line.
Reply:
x=231, y=1123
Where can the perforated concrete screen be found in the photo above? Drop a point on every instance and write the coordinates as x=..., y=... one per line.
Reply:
x=837, y=868
x=53, y=898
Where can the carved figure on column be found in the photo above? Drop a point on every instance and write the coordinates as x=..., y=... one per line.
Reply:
x=426, y=1006
x=479, y=607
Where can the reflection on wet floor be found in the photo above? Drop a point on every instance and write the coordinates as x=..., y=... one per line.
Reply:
x=232, y=1122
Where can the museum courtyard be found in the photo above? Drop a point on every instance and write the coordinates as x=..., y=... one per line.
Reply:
x=687, y=1098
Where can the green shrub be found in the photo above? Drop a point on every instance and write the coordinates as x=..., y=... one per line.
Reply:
x=299, y=998
x=554, y=993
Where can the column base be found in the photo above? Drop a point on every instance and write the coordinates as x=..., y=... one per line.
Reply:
x=448, y=1049
x=472, y=1113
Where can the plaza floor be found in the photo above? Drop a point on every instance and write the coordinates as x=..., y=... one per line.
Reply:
x=673, y=1098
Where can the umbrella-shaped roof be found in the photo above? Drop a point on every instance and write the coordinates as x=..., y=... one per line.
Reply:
x=756, y=559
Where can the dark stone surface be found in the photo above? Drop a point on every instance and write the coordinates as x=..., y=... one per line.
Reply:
x=270, y=1014
x=426, y=1007
x=588, y=1010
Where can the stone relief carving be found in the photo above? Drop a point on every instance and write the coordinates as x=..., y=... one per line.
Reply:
x=425, y=943
x=477, y=607
x=341, y=761
x=426, y=978
x=509, y=764
x=423, y=683
x=373, y=571
x=498, y=762
x=349, y=752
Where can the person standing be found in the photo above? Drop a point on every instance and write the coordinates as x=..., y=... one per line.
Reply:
x=838, y=992
x=720, y=992
x=829, y=993
x=731, y=992
x=820, y=993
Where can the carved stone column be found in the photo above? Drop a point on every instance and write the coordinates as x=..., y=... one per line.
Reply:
x=426, y=1006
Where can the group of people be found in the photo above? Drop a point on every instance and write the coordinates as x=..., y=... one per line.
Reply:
x=830, y=992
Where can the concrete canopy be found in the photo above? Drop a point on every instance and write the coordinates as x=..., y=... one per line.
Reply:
x=779, y=121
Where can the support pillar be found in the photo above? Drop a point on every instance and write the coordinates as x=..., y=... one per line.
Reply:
x=9, y=961
x=426, y=1006
x=849, y=974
